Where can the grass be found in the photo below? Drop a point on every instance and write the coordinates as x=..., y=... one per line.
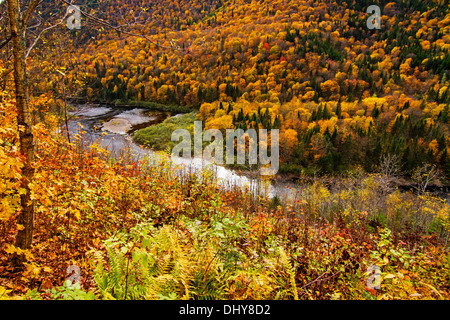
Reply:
x=158, y=137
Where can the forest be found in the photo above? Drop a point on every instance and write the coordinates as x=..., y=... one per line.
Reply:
x=341, y=95
x=361, y=114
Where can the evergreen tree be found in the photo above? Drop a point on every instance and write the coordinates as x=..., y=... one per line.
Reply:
x=339, y=109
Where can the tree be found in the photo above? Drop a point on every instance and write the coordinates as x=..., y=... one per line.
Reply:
x=19, y=16
x=288, y=143
x=329, y=88
x=424, y=175
x=18, y=20
x=389, y=169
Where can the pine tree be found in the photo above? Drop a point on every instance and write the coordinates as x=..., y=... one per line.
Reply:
x=326, y=113
x=444, y=162
x=444, y=114
x=375, y=112
x=339, y=109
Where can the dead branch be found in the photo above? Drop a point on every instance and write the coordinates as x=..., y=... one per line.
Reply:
x=121, y=30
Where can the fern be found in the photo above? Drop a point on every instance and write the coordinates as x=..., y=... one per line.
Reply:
x=160, y=266
x=290, y=270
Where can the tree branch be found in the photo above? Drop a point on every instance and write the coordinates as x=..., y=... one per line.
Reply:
x=29, y=11
x=118, y=29
x=36, y=25
x=42, y=32
x=5, y=42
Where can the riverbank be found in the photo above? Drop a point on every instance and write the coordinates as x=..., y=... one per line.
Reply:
x=133, y=104
x=337, y=182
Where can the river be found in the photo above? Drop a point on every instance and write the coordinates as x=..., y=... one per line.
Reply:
x=112, y=128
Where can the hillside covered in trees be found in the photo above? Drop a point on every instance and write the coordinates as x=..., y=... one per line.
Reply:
x=356, y=109
x=341, y=94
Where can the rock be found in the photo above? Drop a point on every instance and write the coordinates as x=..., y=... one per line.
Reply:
x=117, y=125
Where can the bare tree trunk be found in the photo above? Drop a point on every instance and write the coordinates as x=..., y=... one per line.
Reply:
x=65, y=110
x=24, y=121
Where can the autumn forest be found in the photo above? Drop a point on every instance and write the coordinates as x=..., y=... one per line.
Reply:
x=362, y=105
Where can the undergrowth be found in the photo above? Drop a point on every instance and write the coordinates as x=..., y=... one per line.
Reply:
x=139, y=231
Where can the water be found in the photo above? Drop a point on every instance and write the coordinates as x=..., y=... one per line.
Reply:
x=112, y=129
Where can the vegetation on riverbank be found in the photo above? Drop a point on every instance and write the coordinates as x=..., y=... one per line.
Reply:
x=153, y=106
x=158, y=137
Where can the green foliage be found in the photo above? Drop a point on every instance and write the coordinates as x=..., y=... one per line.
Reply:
x=69, y=291
x=275, y=202
x=403, y=270
x=150, y=263
x=153, y=106
x=158, y=137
